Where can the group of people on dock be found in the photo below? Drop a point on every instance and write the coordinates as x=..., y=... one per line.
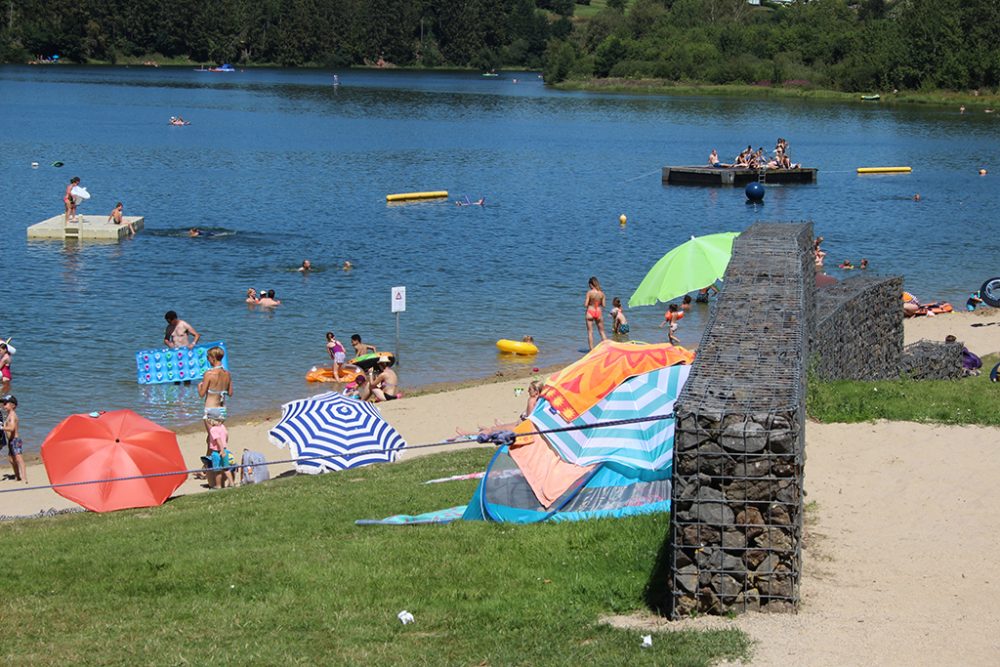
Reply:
x=756, y=159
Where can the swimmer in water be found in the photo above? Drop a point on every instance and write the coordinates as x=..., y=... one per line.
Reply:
x=194, y=231
x=306, y=266
x=347, y=265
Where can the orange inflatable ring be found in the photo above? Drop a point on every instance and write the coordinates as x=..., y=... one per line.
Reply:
x=347, y=374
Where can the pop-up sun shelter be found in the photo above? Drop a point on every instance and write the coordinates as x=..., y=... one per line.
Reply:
x=599, y=443
x=599, y=471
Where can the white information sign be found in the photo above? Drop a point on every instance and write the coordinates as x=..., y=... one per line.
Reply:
x=399, y=299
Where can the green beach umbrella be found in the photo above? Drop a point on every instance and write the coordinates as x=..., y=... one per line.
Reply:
x=688, y=267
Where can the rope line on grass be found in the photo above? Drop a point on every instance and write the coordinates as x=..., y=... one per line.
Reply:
x=499, y=438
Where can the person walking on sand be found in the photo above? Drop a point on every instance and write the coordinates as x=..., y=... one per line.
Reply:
x=594, y=302
x=14, y=444
x=177, y=331
x=69, y=201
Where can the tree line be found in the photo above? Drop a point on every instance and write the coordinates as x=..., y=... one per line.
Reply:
x=837, y=44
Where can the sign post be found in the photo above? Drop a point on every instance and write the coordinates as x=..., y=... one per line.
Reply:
x=398, y=305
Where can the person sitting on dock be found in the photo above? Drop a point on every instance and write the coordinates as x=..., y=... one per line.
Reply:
x=116, y=217
x=713, y=159
x=743, y=159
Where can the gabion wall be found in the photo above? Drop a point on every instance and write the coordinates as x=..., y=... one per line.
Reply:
x=736, y=527
x=931, y=360
x=859, y=329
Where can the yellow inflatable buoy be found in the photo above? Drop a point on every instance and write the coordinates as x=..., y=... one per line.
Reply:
x=410, y=196
x=622, y=219
x=516, y=347
x=884, y=170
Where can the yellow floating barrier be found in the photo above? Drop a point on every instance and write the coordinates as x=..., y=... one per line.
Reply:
x=884, y=170
x=410, y=196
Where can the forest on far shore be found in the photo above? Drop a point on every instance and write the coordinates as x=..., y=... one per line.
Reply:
x=917, y=45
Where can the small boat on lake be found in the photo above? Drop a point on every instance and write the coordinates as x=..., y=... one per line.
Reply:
x=875, y=97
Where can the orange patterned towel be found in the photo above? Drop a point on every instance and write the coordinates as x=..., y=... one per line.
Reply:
x=578, y=387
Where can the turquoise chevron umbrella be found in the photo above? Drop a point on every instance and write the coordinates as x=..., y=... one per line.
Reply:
x=645, y=445
x=690, y=266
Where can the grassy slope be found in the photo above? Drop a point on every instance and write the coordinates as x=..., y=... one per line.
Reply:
x=279, y=574
x=971, y=400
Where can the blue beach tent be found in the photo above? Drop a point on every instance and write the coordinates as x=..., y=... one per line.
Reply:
x=631, y=475
x=611, y=490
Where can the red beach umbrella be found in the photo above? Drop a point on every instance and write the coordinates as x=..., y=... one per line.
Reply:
x=108, y=445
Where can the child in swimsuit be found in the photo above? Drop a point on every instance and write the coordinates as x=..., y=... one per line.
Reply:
x=619, y=323
x=671, y=317
x=337, y=353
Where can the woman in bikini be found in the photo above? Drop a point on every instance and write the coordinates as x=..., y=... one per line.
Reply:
x=594, y=302
x=215, y=387
x=5, y=375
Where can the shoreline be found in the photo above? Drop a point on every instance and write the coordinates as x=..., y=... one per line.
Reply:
x=779, y=92
x=433, y=413
x=611, y=85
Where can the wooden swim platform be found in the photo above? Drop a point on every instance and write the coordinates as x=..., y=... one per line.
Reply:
x=735, y=176
x=88, y=228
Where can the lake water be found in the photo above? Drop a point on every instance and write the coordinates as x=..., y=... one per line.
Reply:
x=285, y=167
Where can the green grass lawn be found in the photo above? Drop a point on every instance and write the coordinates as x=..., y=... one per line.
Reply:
x=279, y=574
x=972, y=400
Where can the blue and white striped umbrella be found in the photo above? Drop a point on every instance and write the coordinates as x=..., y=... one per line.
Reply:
x=647, y=445
x=352, y=432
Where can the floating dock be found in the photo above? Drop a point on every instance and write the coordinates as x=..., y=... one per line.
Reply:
x=87, y=228
x=735, y=176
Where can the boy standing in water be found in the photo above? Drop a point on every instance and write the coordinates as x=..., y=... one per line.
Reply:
x=14, y=444
x=671, y=317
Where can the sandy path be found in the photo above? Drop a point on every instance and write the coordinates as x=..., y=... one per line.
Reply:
x=897, y=568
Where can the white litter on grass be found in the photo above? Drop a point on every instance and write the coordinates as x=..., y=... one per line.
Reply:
x=405, y=617
x=647, y=641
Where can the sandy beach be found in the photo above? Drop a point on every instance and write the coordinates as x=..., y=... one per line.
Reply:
x=900, y=516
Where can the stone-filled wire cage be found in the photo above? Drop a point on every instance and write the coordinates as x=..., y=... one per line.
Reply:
x=736, y=523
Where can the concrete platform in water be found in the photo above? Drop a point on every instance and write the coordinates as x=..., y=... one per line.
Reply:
x=734, y=176
x=89, y=228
